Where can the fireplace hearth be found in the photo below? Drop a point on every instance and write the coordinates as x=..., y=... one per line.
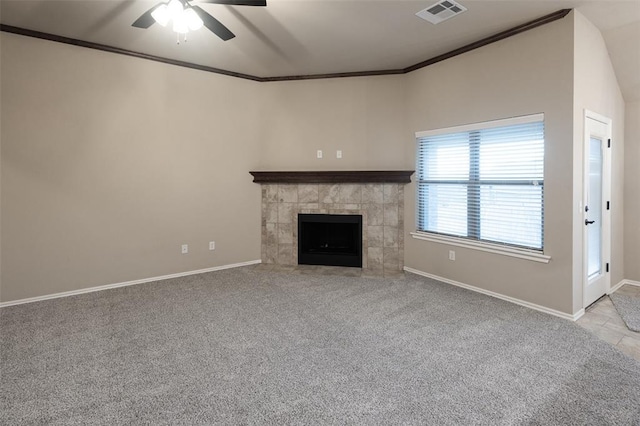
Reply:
x=332, y=240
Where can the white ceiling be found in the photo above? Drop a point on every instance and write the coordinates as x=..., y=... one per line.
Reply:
x=300, y=37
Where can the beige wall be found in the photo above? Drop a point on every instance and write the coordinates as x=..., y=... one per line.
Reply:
x=103, y=179
x=363, y=117
x=526, y=74
x=596, y=89
x=632, y=192
x=110, y=163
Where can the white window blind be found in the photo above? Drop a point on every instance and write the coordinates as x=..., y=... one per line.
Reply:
x=484, y=182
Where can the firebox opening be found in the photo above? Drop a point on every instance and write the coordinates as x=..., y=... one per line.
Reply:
x=333, y=240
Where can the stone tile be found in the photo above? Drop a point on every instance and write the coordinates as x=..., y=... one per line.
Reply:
x=272, y=233
x=272, y=193
x=271, y=254
x=390, y=236
x=285, y=254
x=375, y=236
x=609, y=336
x=351, y=206
x=372, y=193
x=604, y=308
x=308, y=193
x=628, y=290
x=375, y=258
x=395, y=274
x=620, y=329
x=390, y=195
x=375, y=214
x=616, y=320
x=390, y=215
x=288, y=193
x=285, y=213
x=630, y=346
x=308, y=206
x=284, y=268
x=593, y=318
x=372, y=273
x=390, y=261
x=350, y=194
x=285, y=233
x=328, y=194
x=271, y=213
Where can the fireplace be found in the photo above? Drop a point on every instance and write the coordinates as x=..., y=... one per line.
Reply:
x=376, y=196
x=330, y=239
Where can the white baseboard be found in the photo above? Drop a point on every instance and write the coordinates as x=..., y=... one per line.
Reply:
x=621, y=283
x=124, y=284
x=524, y=303
x=616, y=287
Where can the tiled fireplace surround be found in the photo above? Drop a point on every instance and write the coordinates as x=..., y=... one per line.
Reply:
x=380, y=204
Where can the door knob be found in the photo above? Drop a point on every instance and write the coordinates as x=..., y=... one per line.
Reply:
x=589, y=222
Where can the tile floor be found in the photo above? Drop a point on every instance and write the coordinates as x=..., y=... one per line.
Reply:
x=603, y=320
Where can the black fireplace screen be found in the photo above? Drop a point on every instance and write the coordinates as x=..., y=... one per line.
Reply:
x=327, y=239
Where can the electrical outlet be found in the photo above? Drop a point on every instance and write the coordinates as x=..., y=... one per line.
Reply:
x=212, y=245
x=452, y=255
x=185, y=248
x=338, y=154
x=319, y=153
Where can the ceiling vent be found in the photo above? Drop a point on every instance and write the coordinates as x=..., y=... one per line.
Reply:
x=441, y=11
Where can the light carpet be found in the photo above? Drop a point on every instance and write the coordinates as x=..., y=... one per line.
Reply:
x=252, y=346
x=628, y=306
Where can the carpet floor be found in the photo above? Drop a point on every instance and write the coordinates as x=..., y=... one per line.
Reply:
x=253, y=346
x=627, y=303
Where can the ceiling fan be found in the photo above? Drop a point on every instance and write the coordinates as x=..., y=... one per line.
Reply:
x=185, y=16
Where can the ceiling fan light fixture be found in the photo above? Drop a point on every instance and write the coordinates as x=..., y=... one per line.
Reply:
x=175, y=9
x=192, y=19
x=180, y=24
x=186, y=17
x=161, y=15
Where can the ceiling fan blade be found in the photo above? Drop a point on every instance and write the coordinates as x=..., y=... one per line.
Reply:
x=214, y=25
x=238, y=2
x=145, y=20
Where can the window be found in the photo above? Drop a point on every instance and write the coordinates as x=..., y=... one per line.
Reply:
x=484, y=182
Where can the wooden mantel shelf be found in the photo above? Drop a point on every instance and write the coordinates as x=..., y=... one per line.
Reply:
x=335, y=176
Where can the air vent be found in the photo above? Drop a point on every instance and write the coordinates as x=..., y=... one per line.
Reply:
x=441, y=11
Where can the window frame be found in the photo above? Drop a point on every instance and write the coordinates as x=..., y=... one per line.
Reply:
x=512, y=250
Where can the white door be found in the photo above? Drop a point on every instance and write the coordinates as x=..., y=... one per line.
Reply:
x=596, y=202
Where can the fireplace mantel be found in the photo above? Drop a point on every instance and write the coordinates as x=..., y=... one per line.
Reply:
x=335, y=176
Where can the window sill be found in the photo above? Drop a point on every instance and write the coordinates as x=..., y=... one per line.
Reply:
x=482, y=246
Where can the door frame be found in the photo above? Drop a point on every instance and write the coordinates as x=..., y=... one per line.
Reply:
x=606, y=194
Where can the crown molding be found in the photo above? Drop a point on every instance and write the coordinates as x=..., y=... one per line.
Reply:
x=459, y=51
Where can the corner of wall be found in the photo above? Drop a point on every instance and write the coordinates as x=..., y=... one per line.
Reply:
x=595, y=88
x=632, y=192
